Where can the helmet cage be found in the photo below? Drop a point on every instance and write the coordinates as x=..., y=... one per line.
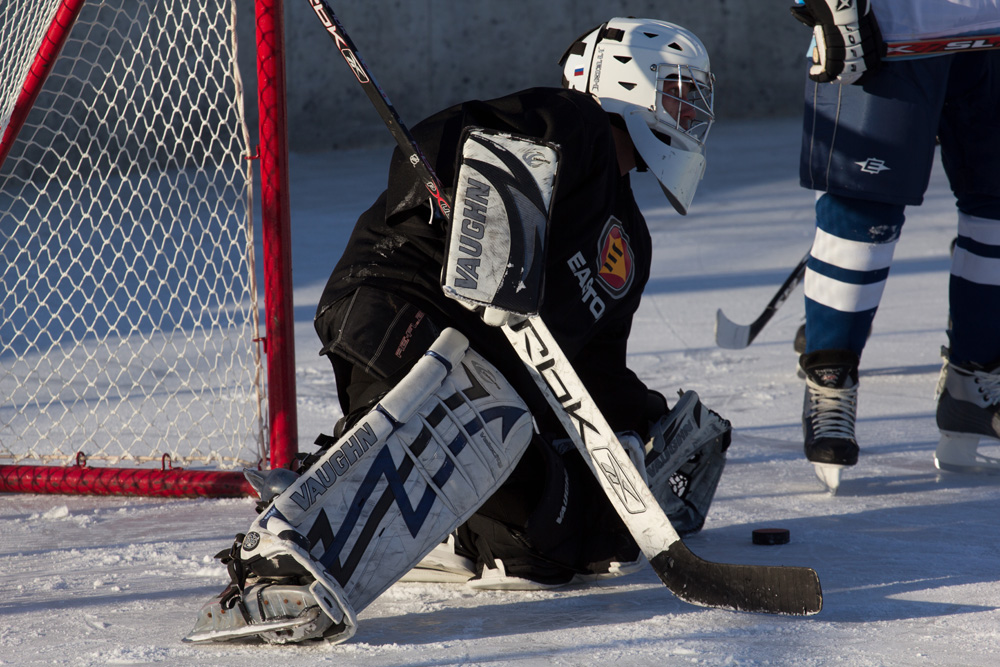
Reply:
x=689, y=87
x=657, y=77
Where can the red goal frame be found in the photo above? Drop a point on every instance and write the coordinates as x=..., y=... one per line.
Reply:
x=278, y=344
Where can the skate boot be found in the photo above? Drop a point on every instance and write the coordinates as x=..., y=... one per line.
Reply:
x=799, y=346
x=447, y=563
x=829, y=411
x=968, y=410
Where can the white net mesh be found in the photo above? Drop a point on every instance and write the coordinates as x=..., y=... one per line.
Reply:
x=127, y=301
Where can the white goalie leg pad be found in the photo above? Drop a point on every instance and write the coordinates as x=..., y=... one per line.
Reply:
x=685, y=457
x=391, y=488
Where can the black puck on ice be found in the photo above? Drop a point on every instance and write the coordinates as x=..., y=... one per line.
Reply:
x=771, y=536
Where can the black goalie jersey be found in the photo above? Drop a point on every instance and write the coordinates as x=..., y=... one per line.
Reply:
x=598, y=253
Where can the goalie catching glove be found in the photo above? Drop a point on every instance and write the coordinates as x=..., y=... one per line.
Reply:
x=378, y=500
x=685, y=456
x=848, y=40
x=682, y=461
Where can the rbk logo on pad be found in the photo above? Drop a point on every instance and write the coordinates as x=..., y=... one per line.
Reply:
x=615, y=258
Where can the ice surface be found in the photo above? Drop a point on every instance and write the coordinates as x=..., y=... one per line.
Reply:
x=907, y=554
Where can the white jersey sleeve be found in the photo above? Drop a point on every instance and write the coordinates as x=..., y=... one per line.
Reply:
x=906, y=20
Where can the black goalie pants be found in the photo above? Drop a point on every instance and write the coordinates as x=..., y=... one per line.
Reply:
x=550, y=520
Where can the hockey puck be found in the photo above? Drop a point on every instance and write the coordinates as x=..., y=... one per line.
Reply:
x=771, y=536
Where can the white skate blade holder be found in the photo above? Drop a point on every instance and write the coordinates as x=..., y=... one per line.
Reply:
x=497, y=579
x=957, y=452
x=829, y=475
x=295, y=608
x=442, y=566
x=207, y=633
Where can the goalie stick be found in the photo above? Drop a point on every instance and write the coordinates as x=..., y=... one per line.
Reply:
x=382, y=104
x=732, y=336
x=756, y=588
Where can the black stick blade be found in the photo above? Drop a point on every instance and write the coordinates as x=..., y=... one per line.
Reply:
x=764, y=589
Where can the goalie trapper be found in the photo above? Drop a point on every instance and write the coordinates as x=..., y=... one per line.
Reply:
x=685, y=457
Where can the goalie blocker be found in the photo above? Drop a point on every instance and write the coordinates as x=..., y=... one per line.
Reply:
x=682, y=461
x=378, y=500
x=496, y=252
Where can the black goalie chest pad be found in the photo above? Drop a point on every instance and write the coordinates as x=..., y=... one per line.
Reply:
x=598, y=252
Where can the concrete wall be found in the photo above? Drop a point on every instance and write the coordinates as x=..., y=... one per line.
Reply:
x=428, y=54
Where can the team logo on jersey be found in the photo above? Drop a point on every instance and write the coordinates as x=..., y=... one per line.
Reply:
x=615, y=258
x=872, y=166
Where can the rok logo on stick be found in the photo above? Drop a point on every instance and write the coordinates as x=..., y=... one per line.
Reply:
x=345, y=50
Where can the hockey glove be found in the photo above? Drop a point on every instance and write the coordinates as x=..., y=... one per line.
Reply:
x=496, y=251
x=848, y=41
x=685, y=457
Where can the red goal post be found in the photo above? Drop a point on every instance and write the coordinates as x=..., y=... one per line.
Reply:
x=132, y=357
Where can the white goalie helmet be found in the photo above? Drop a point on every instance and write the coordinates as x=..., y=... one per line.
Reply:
x=657, y=77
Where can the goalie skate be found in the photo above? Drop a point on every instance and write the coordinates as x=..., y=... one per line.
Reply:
x=277, y=595
x=276, y=613
x=378, y=500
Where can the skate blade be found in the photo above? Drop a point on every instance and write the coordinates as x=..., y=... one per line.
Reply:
x=276, y=613
x=956, y=452
x=829, y=475
x=497, y=579
x=210, y=632
x=423, y=574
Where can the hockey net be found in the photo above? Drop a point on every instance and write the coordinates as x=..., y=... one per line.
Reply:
x=129, y=333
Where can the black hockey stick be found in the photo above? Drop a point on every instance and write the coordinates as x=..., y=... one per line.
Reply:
x=382, y=104
x=757, y=588
x=734, y=336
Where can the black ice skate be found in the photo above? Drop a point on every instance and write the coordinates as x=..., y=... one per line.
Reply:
x=829, y=411
x=968, y=410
